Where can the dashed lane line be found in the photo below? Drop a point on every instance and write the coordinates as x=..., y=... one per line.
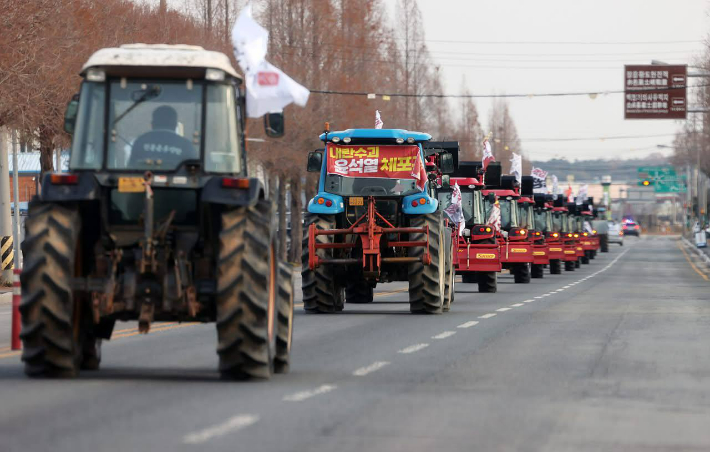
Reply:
x=516, y=305
x=528, y=301
x=487, y=316
x=537, y=298
x=305, y=395
x=503, y=309
x=231, y=425
x=377, y=365
x=412, y=348
x=444, y=335
x=468, y=324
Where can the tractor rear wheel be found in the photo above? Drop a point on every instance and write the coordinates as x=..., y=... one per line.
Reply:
x=569, y=266
x=284, y=328
x=604, y=243
x=578, y=262
x=555, y=266
x=427, y=283
x=50, y=316
x=585, y=258
x=537, y=271
x=487, y=282
x=320, y=293
x=247, y=293
x=359, y=291
x=469, y=278
x=521, y=273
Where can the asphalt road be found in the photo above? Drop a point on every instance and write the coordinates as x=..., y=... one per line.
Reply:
x=613, y=356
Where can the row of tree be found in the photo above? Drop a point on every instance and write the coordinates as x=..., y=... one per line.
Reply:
x=326, y=45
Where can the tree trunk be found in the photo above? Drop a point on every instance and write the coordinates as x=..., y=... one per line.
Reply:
x=296, y=221
x=46, y=155
x=281, y=202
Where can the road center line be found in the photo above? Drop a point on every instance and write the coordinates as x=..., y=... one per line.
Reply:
x=528, y=301
x=503, y=309
x=468, y=324
x=231, y=425
x=444, y=335
x=487, y=316
x=304, y=395
x=377, y=365
x=412, y=348
x=537, y=298
x=516, y=305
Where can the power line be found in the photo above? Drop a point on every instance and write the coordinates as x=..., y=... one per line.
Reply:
x=595, y=43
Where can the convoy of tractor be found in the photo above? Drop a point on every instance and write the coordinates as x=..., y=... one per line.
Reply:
x=158, y=220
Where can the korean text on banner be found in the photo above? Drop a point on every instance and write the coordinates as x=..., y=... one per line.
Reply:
x=392, y=162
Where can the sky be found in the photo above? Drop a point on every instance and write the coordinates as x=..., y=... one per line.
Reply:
x=526, y=46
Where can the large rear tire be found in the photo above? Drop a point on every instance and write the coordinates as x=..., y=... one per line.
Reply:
x=50, y=332
x=284, y=329
x=469, y=278
x=521, y=273
x=320, y=292
x=487, y=282
x=247, y=293
x=427, y=282
x=604, y=243
x=569, y=266
x=537, y=271
x=555, y=267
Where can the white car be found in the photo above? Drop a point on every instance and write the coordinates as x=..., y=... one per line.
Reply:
x=616, y=234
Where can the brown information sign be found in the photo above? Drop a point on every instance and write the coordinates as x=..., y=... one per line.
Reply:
x=655, y=92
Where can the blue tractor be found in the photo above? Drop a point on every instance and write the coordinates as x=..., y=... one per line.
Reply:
x=375, y=219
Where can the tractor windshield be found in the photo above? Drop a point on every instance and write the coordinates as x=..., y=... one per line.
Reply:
x=542, y=220
x=525, y=216
x=468, y=204
x=559, y=222
x=374, y=170
x=157, y=125
x=508, y=214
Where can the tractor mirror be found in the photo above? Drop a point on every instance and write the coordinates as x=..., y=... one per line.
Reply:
x=274, y=125
x=70, y=114
x=315, y=162
x=447, y=163
x=445, y=181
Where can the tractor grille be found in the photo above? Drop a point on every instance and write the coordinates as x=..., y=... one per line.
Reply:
x=388, y=208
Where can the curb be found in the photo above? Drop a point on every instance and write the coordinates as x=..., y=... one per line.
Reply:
x=696, y=250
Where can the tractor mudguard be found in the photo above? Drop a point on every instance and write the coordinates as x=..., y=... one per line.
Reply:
x=337, y=205
x=86, y=188
x=213, y=192
x=429, y=206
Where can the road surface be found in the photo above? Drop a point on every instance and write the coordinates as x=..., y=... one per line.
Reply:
x=613, y=356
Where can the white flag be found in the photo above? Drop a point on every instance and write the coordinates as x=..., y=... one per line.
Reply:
x=455, y=209
x=516, y=167
x=539, y=180
x=494, y=216
x=378, y=120
x=268, y=88
x=581, y=194
x=555, y=186
x=487, y=154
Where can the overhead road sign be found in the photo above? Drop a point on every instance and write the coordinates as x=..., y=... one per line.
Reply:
x=655, y=91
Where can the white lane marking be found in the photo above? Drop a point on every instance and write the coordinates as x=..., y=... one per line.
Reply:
x=231, y=425
x=567, y=287
x=546, y=295
x=537, y=298
x=377, y=365
x=413, y=348
x=444, y=335
x=486, y=316
x=304, y=395
x=468, y=324
x=503, y=309
x=516, y=305
x=528, y=301
x=559, y=290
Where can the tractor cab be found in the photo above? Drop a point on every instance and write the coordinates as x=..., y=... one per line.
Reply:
x=589, y=237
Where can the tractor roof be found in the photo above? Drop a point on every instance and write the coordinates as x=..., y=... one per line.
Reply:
x=385, y=134
x=159, y=56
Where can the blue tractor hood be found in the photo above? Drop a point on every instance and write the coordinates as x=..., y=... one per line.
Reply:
x=385, y=134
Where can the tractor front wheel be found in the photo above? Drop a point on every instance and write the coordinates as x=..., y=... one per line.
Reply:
x=320, y=292
x=555, y=266
x=537, y=271
x=521, y=273
x=569, y=266
x=427, y=283
x=487, y=282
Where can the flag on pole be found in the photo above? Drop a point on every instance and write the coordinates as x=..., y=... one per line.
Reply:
x=582, y=194
x=555, y=186
x=487, y=153
x=539, y=180
x=378, y=120
x=455, y=209
x=494, y=216
x=568, y=194
x=268, y=88
x=516, y=167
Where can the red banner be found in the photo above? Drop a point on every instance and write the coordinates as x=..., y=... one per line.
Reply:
x=391, y=162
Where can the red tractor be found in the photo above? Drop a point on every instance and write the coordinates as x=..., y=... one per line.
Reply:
x=516, y=246
x=476, y=254
x=542, y=234
x=590, y=238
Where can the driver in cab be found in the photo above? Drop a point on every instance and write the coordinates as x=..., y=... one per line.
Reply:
x=162, y=147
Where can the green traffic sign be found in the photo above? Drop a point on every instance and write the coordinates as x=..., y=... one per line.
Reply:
x=663, y=179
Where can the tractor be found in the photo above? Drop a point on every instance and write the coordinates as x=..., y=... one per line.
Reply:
x=476, y=254
x=375, y=219
x=590, y=237
x=562, y=248
x=541, y=233
x=157, y=218
x=516, y=246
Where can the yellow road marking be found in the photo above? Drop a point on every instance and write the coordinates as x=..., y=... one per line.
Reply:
x=121, y=336
x=687, y=257
x=135, y=328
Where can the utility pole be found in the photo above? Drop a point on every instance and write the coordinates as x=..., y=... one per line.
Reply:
x=16, y=196
x=5, y=217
